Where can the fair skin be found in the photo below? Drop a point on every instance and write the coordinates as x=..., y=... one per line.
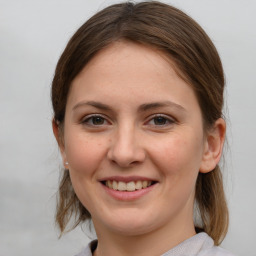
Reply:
x=130, y=118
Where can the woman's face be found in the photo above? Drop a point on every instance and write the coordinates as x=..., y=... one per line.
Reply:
x=134, y=141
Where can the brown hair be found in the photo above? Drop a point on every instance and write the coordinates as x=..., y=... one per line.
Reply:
x=171, y=31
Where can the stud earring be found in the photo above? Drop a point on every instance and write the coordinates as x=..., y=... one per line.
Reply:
x=66, y=163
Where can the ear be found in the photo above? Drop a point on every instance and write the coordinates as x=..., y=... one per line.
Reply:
x=213, y=146
x=58, y=134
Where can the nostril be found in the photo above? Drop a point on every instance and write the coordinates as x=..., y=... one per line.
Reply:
x=124, y=163
x=125, y=152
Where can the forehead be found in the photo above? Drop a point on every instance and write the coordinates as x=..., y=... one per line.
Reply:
x=129, y=68
x=131, y=54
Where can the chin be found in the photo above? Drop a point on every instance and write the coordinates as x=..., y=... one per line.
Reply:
x=131, y=230
x=130, y=225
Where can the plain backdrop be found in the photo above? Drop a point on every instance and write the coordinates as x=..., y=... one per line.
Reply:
x=33, y=33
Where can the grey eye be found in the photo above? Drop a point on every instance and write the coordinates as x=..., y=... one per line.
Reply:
x=159, y=120
x=97, y=120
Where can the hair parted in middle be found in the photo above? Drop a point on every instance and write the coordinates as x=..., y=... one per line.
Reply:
x=184, y=42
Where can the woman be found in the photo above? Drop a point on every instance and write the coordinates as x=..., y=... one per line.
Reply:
x=137, y=98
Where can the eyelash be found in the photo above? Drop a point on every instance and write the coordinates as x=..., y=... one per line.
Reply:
x=91, y=119
x=168, y=121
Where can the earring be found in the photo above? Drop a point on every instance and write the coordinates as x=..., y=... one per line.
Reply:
x=66, y=165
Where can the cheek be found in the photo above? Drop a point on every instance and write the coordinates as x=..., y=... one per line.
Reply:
x=177, y=156
x=84, y=154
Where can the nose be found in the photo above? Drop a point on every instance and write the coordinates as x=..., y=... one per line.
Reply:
x=126, y=149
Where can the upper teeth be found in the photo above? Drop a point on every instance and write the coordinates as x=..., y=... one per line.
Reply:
x=129, y=186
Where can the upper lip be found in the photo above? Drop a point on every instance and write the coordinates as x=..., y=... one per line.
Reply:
x=126, y=178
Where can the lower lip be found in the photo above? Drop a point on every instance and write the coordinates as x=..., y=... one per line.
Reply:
x=126, y=195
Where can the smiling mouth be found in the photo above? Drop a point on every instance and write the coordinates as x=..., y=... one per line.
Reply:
x=128, y=186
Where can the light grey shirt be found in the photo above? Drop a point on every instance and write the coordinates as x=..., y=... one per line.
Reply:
x=199, y=245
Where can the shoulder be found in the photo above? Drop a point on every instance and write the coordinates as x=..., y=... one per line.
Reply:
x=87, y=251
x=198, y=245
x=215, y=251
x=209, y=249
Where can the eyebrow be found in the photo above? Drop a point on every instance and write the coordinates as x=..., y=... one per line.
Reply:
x=142, y=108
x=93, y=104
x=153, y=105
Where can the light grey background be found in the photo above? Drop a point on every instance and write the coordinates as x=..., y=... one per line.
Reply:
x=33, y=33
